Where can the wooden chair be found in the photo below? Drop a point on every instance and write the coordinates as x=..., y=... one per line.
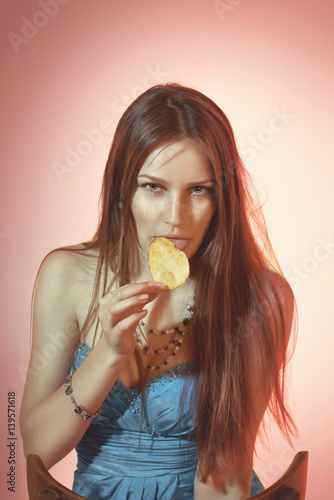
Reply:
x=42, y=486
x=290, y=486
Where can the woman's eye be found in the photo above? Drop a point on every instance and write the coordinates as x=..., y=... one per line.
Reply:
x=200, y=190
x=151, y=187
x=203, y=191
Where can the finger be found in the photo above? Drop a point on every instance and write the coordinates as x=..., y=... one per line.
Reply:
x=154, y=295
x=120, y=310
x=130, y=323
x=150, y=287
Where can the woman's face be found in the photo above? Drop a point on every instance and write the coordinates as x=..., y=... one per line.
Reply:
x=175, y=197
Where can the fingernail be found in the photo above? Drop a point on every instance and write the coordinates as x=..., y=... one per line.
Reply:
x=153, y=284
x=143, y=296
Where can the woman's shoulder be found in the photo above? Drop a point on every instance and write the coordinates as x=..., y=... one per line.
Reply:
x=70, y=263
x=281, y=288
x=65, y=279
x=283, y=303
x=66, y=275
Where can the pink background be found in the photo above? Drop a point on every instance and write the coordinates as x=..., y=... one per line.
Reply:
x=267, y=63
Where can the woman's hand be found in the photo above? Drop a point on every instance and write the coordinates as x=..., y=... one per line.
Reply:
x=121, y=310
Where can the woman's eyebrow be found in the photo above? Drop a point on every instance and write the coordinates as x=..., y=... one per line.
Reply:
x=152, y=177
x=159, y=180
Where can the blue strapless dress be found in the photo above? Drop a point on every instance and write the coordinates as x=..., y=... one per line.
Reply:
x=127, y=454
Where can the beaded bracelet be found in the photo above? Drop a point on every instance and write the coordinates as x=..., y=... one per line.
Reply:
x=80, y=410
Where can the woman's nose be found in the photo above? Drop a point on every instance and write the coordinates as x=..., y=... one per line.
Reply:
x=176, y=212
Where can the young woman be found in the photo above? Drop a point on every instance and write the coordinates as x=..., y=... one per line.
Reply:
x=162, y=392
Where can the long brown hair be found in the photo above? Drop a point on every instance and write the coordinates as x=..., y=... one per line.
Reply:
x=237, y=335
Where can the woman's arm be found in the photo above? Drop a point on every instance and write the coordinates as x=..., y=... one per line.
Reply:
x=237, y=488
x=50, y=427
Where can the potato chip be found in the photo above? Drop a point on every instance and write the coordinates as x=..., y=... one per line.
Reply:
x=167, y=264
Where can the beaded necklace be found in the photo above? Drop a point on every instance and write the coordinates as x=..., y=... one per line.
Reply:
x=180, y=330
